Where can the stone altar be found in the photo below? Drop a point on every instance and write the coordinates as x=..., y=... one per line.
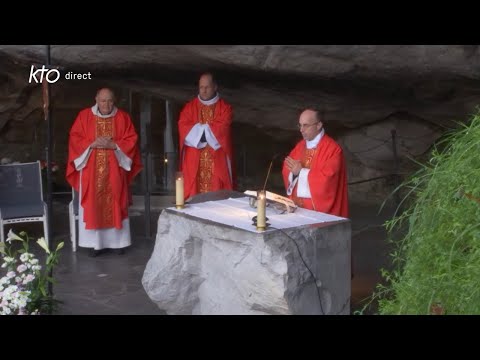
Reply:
x=210, y=259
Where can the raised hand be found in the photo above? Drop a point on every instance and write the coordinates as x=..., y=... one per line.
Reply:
x=293, y=165
x=110, y=144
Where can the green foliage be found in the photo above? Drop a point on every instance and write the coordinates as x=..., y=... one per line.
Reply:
x=437, y=259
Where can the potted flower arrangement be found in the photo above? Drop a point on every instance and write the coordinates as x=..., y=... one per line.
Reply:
x=24, y=286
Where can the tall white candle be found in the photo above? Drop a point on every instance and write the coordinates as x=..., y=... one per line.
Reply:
x=261, y=210
x=165, y=171
x=179, y=200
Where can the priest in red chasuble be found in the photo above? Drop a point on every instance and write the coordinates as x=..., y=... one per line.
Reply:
x=314, y=173
x=205, y=142
x=103, y=159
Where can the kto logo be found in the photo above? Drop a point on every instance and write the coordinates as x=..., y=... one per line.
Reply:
x=51, y=75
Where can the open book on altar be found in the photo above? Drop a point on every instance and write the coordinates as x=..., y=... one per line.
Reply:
x=279, y=200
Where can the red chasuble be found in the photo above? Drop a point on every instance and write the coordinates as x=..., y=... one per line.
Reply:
x=105, y=194
x=206, y=169
x=327, y=178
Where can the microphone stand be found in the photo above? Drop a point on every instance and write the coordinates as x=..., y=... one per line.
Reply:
x=268, y=174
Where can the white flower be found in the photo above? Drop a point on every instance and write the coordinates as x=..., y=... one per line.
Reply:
x=12, y=236
x=24, y=257
x=43, y=244
x=28, y=279
x=9, y=291
x=22, y=302
x=21, y=268
x=18, y=290
x=8, y=259
x=6, y=311
x=5, y=161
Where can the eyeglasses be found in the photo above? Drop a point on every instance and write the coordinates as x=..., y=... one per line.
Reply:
x=300, y=126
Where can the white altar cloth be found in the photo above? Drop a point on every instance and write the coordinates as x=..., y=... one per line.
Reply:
x=238, y=213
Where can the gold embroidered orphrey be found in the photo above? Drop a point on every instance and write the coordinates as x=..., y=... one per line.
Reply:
x=205, y=167
x=103, y=187
x=306, y=160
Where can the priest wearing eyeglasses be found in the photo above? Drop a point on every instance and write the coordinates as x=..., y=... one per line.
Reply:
x=314, y=173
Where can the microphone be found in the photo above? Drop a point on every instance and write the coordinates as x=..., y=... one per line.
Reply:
x=270, y=167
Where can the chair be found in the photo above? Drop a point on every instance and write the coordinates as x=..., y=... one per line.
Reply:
x=73, y=217
x=21, y=196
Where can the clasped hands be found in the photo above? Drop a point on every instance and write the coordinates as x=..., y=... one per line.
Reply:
x=103, y=142
x=293, y=165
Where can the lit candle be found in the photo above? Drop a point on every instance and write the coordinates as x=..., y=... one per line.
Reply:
x=261, y=210
x=165, y=170
x=180, y=201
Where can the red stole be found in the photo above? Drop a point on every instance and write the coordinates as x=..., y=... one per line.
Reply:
x=205, y=167
x=306, y=160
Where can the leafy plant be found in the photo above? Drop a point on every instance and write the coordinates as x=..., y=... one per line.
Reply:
x=437, y=258
x=24, y=288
